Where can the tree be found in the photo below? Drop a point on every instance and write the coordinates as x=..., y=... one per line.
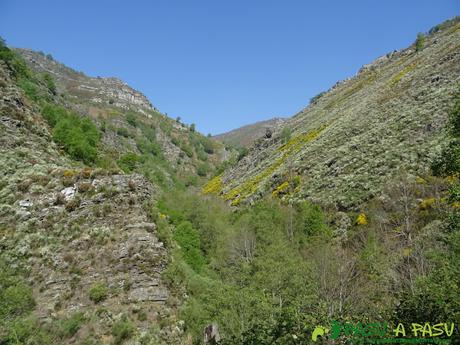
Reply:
x=285, y=134
x=202, y=169
x=314, y=99
x=448, y=162
x=420, y=42
x=189, y=240
x=192, y=127
x=50, y=83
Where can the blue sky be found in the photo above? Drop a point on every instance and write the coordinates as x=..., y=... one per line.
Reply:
x=221, y=64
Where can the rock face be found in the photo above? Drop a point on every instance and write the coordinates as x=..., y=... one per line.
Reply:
x=110, y=91
x=75, y=229
x=352, y=139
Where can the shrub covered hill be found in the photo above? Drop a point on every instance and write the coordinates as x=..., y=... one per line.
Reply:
x=119, y=225
x=351, y=140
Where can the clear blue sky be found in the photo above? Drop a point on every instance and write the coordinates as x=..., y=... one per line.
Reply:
x=221, y=64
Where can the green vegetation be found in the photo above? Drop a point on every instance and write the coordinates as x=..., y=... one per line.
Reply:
x=70, y=326
x=98, y=292
x=286, y=134
x=131, y=119
x=203, y=169
x=128, y=162
x=420, y=42
x=78, y=135
x=50, y=83
x=122, y=330
x=314, y=99
x=29, y=82
x=436, y=295
x=17, y=325
x=187, y=149
x=15, y=296
x=448, y=162
x=189, y=241
x=124, y=132
x=16, y=63
x=269, y=271
x=251, y=276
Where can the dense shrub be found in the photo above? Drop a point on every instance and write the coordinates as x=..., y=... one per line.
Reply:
x=148, y=147
x=420, y=42
x=187, y=149
x=124, y=132
x=30, y=88
x=208, y=145
x=131, y=119
x=27, y=330
x=98, y=292
x=14, y=61
x=203, y=169
x=78, y=135
x=32, y=84
x=68, y=327
x=311, y=219
x=53, y=114
x=201, y=155
x=16, y=303
x=48, y=79
x=448, y=162
x=15, y=298
x=285, y=134
x=128, y=162
x=122, y=330
x=189, y=240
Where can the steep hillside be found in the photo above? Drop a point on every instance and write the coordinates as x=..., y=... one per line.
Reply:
x=78, y=246
x=353, y=139
x=245, y=136
x=130, y=124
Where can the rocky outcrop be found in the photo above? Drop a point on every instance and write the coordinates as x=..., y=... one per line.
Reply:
x=110, y=91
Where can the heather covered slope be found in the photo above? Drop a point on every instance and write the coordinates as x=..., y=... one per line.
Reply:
x=353, y=139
